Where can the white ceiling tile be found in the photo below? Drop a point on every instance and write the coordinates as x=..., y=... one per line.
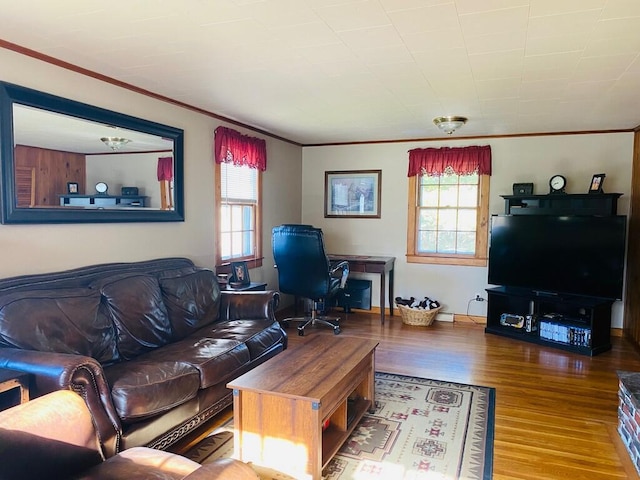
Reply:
x=555, y=7
x=474, y=6
x=617, y=27
x=497, y=65
x=556, y=44
x=495, y=21
x=599, y=47
x=498, y=88
x=602, y=68
x=437, y=40
x=307, y=35
x=621, y=9
x=392, y=54
x=352, y=16
x=374, y=37
x=496, y=42
x=567, y=24
x=426, y=19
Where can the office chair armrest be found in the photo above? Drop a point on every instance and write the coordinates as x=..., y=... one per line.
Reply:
x=340, y=270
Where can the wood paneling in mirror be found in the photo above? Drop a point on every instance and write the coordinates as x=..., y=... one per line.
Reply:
x=52, y=170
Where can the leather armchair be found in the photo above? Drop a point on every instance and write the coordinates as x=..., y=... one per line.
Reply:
x=304, y=270
x=53, y=437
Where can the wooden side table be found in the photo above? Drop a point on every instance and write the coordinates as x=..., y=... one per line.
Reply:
x=14, y=388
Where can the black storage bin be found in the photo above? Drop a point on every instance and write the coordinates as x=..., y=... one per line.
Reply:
x=357, y=294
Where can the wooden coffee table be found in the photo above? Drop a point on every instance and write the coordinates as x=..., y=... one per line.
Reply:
x=281, y=407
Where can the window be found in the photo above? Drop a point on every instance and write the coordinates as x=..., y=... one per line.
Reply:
x=239, y=212
x=448, y=206
x=239, y=163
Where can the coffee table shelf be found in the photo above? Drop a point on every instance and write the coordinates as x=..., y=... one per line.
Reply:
x=280, y=407
x=339, y=429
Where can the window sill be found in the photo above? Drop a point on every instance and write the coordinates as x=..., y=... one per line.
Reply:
x=444, y=260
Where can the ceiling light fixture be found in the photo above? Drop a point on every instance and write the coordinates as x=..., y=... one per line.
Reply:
x=449, y=124
x=115, y=143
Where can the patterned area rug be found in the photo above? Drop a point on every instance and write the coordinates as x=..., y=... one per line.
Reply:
x=421, y=429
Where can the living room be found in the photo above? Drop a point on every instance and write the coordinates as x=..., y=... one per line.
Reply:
x=294, y=191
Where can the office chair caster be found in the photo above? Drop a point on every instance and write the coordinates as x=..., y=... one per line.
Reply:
x=336, y=330
x=301, y=332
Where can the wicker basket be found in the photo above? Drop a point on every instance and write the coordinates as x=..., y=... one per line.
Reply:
x=417, y=316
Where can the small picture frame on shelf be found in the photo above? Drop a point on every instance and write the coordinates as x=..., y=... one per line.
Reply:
x=597, y=182
x=72, y=188
x=239, y=274
x=523, y=188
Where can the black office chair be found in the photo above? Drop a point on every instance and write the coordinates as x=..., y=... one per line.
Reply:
x=304, y=270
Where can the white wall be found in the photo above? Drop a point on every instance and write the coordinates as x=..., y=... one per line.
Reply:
x=523, y=159
x=43, y=248
x=125, y=170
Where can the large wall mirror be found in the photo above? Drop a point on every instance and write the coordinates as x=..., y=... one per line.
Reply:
x=64, y=161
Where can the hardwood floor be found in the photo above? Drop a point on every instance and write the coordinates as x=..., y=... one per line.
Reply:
x=556, y=412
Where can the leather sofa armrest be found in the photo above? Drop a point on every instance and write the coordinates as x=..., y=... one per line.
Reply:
x=245, y=305
x=225, y=468
x=84, y=375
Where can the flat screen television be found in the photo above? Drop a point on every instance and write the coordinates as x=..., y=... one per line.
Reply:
x=579, y=255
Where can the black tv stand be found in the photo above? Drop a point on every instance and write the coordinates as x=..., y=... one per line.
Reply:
x=570, y=322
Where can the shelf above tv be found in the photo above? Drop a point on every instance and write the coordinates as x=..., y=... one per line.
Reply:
x=562, y=204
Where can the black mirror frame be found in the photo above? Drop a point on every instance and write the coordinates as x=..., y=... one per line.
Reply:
x=10, y=214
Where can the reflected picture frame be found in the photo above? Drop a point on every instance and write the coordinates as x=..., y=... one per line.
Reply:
x=597, y=182
x=352, y=194
x=72, y=188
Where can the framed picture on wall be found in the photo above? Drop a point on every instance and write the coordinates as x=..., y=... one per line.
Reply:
x=352, y=194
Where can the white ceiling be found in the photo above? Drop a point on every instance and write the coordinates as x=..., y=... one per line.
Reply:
x=323, y=71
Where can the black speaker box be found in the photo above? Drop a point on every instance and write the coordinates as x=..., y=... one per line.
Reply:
x=129, y=191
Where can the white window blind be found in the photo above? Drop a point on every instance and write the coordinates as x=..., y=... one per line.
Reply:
x=238, y=183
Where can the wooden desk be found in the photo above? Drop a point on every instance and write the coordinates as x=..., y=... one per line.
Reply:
x=372, y=264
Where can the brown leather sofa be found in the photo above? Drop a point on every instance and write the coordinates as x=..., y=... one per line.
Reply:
x=149, y=345
x=54, y=437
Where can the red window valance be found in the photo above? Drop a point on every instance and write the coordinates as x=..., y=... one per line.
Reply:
x=231, y=146
x=461, y=161
x=165, y=168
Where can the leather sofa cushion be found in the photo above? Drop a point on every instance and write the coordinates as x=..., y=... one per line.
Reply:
x=144, y=388
x=140, y=317
x=258, y=335
x=69, y=321
x=192, y=300
x=216, y=359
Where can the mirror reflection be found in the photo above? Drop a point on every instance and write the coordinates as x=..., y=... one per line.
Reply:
x=68, y=162
x=63, y=161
